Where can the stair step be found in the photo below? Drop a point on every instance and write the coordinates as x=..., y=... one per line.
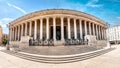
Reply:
x=58, y=60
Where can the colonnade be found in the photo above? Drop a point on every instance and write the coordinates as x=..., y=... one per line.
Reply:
x=81, y=27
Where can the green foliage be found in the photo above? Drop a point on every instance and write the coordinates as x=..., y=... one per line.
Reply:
x=4, y=41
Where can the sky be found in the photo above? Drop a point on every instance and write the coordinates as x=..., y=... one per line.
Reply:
x=107, y=10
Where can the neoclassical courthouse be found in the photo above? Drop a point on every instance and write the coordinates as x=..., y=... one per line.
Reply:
x=56, y=24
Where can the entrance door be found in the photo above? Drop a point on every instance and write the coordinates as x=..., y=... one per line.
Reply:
x=58, y=33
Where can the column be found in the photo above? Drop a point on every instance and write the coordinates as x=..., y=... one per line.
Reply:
x=105, y=34
x=35, y=30
x=93, y=29
x=89, y=28
x=41, y=29
x=18, y=32
x=30, y=30
x=10, y=34
x=15, y=33
x=75, y=29
x=85, y=27
x=99, y=33
x=21, y=30
x=96, y=31
x=54, y=29
x=69, y=31
x=47, y=28
x=80, y=24
x=102, y=33
x=25, y=29
x=62, y=28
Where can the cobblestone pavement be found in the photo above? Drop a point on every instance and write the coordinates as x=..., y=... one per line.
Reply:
x=108, y=60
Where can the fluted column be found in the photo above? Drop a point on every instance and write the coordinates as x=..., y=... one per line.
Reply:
x=41, y=29
x=96, y=31
x=30, y=30
x=22, y=30
x=26, y=29
x=93, y=29
x=69, y=31
x=54, y=29
x=15, y=33
x=89, y=28
x=62, y=28
x=35, y=30
x=47, y=28
x=18, y=32
x=102, y=33
x=80, y=24
x=10, y=34
x=99, y=33
x=75, y=30
x=105, y=34
x=85, y=27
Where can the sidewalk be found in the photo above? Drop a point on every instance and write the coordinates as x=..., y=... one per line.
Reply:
x=108, y=60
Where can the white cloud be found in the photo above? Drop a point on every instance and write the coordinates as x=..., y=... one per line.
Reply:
x=5, y=21
x=118, y=17
x=16, y=7
x=92, y=3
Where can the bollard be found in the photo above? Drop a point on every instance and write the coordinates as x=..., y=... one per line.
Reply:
x=7, y=47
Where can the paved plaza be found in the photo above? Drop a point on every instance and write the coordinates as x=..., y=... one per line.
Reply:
x=108, y=60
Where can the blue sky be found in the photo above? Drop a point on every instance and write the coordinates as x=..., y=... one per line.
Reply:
x=107, y=10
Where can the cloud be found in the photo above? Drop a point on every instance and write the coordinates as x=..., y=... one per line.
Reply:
x=16, y=7
x=5, y=21
x=71, y=5
x=92, y=3
x=118, y=17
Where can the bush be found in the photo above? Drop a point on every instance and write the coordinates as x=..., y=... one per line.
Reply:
x=4, y=41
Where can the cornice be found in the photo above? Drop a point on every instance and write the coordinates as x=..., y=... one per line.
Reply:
x=57, y=11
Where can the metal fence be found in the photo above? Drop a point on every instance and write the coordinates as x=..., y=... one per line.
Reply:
x=51, y=42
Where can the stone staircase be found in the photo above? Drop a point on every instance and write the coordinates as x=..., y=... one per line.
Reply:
x=58, y=59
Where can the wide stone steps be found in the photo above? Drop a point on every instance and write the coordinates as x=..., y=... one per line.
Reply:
x=58, y=60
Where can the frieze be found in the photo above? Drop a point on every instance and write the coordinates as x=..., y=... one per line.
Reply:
x=57, y=11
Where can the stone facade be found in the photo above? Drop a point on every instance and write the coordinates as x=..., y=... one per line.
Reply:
x=57, y=24
x=113, y=34
x=1, y=35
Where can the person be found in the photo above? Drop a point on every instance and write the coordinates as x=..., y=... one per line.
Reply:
x=87, y=41
x=7, y=45
x=30, y=42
